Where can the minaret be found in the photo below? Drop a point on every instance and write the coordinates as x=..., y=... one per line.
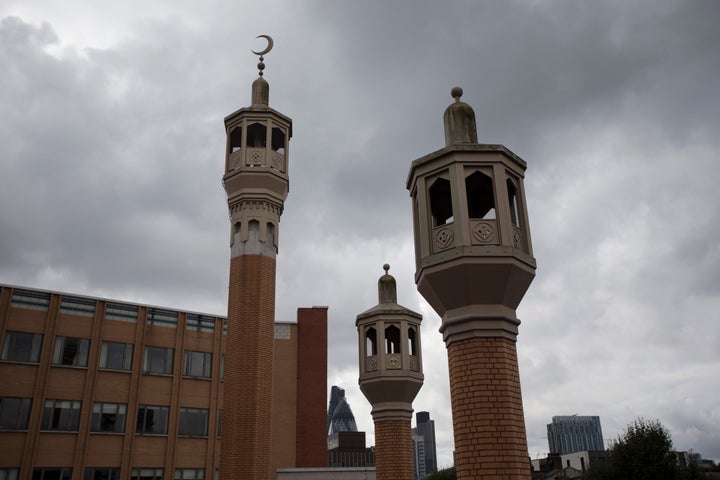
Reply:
x=474, y=263
x=256, y=182
x=390, y=377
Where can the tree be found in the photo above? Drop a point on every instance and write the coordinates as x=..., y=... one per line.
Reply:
x=644, y=451
x=445, y=474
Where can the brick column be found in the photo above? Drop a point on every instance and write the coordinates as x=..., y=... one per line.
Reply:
x=488, y=422
x=247, y=390
x=311, y=433
x=393, y=450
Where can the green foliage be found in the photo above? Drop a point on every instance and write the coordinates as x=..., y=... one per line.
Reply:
x=445, y=474
x=644, y=451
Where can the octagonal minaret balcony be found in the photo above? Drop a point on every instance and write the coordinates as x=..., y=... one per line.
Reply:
x=472, y=235
x=390, y=354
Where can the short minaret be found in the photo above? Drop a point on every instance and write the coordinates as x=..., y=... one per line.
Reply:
x=256, y=182
x=391, y=375
x=474, y=263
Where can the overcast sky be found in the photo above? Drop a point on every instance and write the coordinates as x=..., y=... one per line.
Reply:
x=111, y=158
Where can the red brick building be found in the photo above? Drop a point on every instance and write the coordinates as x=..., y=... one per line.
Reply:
x=98, y=389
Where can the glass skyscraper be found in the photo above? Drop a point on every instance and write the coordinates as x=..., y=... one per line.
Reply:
x=424, y=452
x=568, y=434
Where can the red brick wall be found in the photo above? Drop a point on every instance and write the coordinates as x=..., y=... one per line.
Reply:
x=311, y=444
x=247, y=390
x=393, y=450
x=490, y=439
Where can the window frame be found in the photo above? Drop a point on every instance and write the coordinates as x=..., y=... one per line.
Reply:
x=10, y=345
x=110, y=473
x=96, y=420
x=186, y=421
x=22, y=409
x=65, y=473
x=180, y=474
x=157, y=474
x=167, y=362
x=71, y=419
x=127, y=355
x=81, y=355
x=141, y=419
x=192, y=358
x=9, y=473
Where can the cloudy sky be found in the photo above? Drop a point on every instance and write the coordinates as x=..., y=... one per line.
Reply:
x=111, y=157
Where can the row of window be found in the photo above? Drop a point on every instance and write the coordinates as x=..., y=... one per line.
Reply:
x=104, y=474
x=64, y=415
x=85, y=307
x=71, y=351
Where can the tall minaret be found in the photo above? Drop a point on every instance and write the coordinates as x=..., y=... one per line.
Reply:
x=391, y=375
x=256, y=182
x=474, y=263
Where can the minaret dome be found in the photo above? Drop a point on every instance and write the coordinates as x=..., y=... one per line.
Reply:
x=459, y=121
x=387, y=288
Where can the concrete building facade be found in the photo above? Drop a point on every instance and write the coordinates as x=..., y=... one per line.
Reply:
x=99, y=389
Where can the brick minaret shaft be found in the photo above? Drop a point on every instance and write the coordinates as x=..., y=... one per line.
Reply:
x=393, y=450
x=485, y=395
x=256, y=183
x=248, y=384
x=390, y=377
x=474, y=264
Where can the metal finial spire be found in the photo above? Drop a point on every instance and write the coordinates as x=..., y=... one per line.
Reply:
x=261, y=53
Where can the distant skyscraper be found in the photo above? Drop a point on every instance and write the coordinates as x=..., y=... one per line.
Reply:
x=340, y=416
x=568, y=434
x=418, y=442
x=425, y=454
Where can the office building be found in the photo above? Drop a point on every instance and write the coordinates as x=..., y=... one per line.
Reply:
x=424, y=451
x=340, y=417
x=575, y=433
x=99, y=389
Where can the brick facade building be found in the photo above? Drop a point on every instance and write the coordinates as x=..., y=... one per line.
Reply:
x=98, y=389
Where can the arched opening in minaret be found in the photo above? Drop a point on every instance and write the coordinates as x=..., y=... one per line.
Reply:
x=271, y=234
x=440, y=202
x=392, y=339
x=412, y=341
x=253, y=231
x=480, y=196
x=278, y=140
x=257, y=135
x=235, y=143
x=235, y=232
x=370, y=342
x=512, y=199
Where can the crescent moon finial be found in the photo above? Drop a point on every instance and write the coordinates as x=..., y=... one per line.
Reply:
x=269, y=47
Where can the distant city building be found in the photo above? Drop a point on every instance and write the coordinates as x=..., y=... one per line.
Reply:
x=348, y=450
x=418, y=442
x=424, y=451
x=345, y=445
x=574, y=433
x=340, y=416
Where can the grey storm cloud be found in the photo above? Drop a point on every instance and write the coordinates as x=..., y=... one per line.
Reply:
x=111, y=157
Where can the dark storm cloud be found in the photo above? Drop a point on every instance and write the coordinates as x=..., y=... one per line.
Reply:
x=112, y=159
